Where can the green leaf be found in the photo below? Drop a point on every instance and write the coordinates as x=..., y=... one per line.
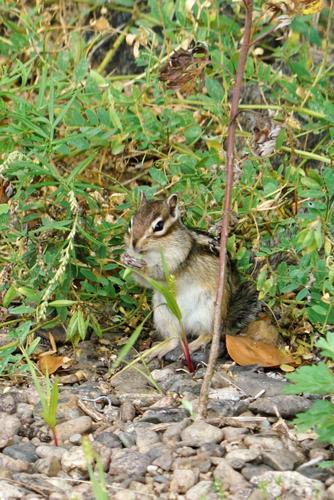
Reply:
x=129, y=344
x=215, y=90
x=62, y=303
x=327, y=345
x=82, y=326
x=10, y=295
x=315, y=379
x=4, y=208
x=158, y=176
x=320, y=418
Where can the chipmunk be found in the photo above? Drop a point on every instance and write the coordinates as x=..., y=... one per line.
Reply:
x=192, y=257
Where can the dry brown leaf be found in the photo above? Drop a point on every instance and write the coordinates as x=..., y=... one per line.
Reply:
x=246, y=351
x=261, y=330
x=74, y=378
x=185, y=67
x=101, y=24
x=6, y=190
x=50, y=363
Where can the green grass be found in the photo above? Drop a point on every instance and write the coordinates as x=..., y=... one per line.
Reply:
x=78, y=144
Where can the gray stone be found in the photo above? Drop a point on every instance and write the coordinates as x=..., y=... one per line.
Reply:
x=75, y=439
x=264, y=442
x=183, y=479
x=234, y=433
x=225, y=394
x=49, y=466
x=109, y=439
x=173, y=431
x=185, y=451
x=250, y=382
x=230, y=478
x=200, y=433
x=202, y=462
x=165, y=460
x=314, y=472
x=13, y=465
x=9, y=491
x=287, y=406
x=202, y=490
x=25, y=412
x=152, y=469
x=128, y=439
x=128, y=463
x=7, y=403
x=143, y=491
x=164, y=377
x=127, y=411
x=45, y=484
x=163, y=415
x=330, y=493
x=238, y=457
x=281, y=460
x=45, y=451
x=79, y=425
x=213, y=449
x=22, y=451
x=182, y=383
x=251, y=470
x=125, y=494
x=145, y=440
x=74, y=463
x=320, y=453
x=290, y=485
x=10, y=426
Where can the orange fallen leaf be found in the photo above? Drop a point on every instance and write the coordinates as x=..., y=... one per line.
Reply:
x=50, y=363
x=246, y=351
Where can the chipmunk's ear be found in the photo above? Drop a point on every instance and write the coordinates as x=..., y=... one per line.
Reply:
x=172, y=204
x=143, y=198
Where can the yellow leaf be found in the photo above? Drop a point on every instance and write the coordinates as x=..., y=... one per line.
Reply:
x=287, y=368
x=311, y=6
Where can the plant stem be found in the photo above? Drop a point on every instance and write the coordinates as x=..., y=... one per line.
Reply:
x=187, y=356
x=55, y=437
x=307, y=154
x=110, y=54
x=217, y=322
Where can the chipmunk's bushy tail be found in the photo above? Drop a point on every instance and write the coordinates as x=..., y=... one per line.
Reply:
x=244, y=306
x=244, y=303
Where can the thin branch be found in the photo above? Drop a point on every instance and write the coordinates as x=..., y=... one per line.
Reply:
x=217, y=323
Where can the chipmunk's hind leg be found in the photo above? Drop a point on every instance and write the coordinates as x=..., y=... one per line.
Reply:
x=200, y=343
x=163, y=348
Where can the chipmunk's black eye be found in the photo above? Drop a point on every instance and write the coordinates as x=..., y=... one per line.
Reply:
x=158, y=226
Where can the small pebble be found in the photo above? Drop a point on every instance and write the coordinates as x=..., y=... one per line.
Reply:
x=75, y=439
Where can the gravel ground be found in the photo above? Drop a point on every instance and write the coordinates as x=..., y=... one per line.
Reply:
x=152, y=446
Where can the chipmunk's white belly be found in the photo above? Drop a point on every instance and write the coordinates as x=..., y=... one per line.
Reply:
x=197, y=308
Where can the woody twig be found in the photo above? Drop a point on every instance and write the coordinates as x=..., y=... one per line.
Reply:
x=218, y=320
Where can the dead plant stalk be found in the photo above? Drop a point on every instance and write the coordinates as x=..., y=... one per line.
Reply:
x=217, y=323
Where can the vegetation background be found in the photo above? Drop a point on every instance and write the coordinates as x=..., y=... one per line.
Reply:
x=85, y=125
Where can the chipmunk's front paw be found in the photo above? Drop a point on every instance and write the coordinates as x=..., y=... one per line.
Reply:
x=130, y=261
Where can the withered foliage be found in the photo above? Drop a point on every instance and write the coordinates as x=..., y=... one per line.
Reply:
x=185, y=68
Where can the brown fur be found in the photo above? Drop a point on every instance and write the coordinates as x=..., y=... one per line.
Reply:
x=193, y=259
